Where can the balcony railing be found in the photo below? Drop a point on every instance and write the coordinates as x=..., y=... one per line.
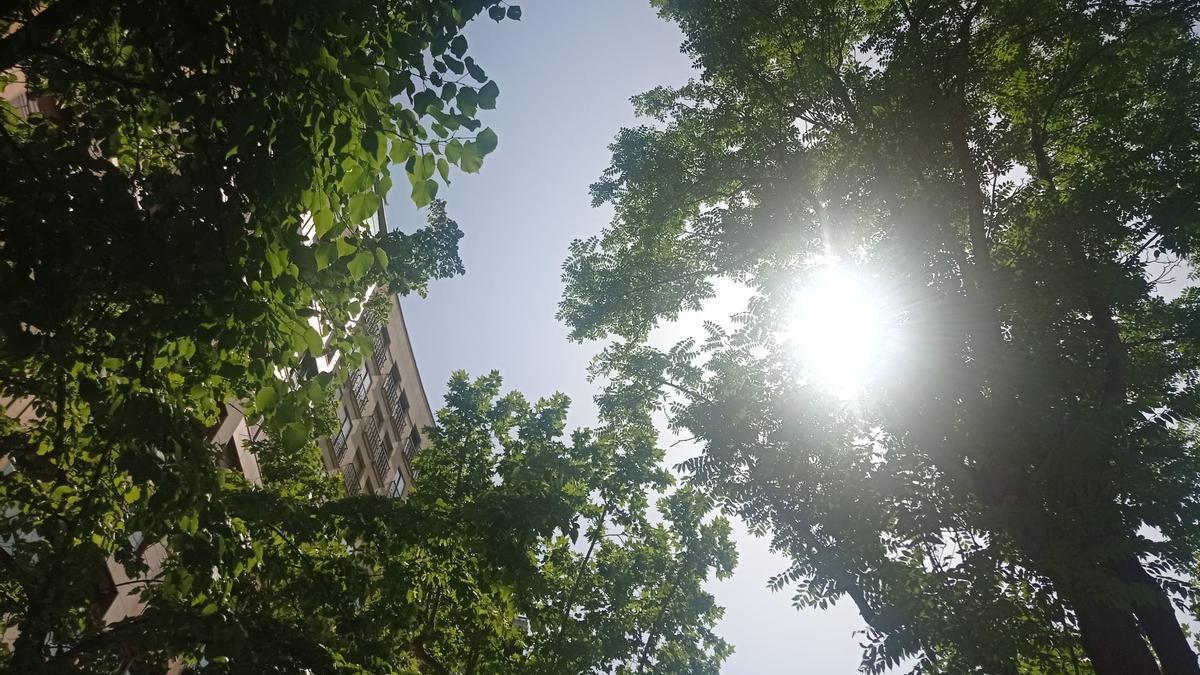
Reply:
x=410, y=449
x=382, y=455
x=380, y=350
x=350, y=475
x=370, y=432
x=360, y=384
x=339, y=446
x=341, y=439
x=396, y=409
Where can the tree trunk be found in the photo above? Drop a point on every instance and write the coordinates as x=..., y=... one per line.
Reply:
x=1158, y=621
x=1111, y=638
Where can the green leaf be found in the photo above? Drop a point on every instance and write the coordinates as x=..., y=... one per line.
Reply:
x=471, y=159
x=401, y=150
x=133, y=494
x=363, y=205
x=354, y=179
x=295, y=437
x=443, y=168
x=267, y=398
x=323, y=222
x=345, y=248
x=189, y=523
x=496, y=13
x=326, y=255
x=487, y=141
x=488, y=94
x=60, y=493
x=458, y=46
x=454, y=151
x=514, y=12
x=360, y=264
x=312, y=340
x=424, y=192
x=475, y=71
x=381, y=258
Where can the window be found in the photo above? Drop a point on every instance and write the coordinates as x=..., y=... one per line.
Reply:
x=371, y=432
x=360, y=384
x=343, y=434
x=380, y=351
x=397, y=401
x=350, y=475
x=230, y=457
x=410, y=448
x=383, y=453
x=397, y=487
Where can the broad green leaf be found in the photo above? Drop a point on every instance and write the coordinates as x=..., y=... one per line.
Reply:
x=424, y=192
x=322, y=222
x=486, y=139
x=267, y=398
x=362, y=206
x=360, y=264
x=344, y=248
x=295, y=436
x=313, y=342
x=488, y=94
x=470, y=159
x=401, y=150
x=326, y=255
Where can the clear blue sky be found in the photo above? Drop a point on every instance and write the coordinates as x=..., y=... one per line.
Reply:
x=566, y=72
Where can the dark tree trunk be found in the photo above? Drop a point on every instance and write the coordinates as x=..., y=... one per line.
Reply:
x=1111, y=635
x=1158, y=621
x=1112, y=640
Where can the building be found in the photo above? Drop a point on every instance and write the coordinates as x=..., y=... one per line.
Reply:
x=381, y=412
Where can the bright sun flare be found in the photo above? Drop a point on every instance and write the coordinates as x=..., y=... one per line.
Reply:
x=838, y=331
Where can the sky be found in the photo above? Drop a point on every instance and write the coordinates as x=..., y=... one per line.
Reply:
x=566, y=72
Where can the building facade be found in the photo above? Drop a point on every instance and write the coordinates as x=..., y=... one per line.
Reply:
x=382, y=410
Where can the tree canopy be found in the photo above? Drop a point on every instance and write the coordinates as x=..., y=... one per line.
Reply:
x=186, y=192
x=1015, y=488
x=483, y=569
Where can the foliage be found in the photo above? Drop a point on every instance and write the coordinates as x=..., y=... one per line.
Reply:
x=183, y=226
x=1013, y=180
x=311, y=581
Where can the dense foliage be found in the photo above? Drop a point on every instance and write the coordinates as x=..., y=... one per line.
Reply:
x=184, y=197
x=483, y=569
x=1016, y=488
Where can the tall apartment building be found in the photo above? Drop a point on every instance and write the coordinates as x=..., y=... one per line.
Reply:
x=381, y=412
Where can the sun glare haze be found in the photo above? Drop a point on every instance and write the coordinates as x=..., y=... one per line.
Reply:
x=838, y=330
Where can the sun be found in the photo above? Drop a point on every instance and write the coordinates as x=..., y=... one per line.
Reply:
x=838, y=330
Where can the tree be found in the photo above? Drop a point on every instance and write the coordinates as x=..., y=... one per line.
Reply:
x=312, y=581
x=185, y=224
x=1016, y=487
